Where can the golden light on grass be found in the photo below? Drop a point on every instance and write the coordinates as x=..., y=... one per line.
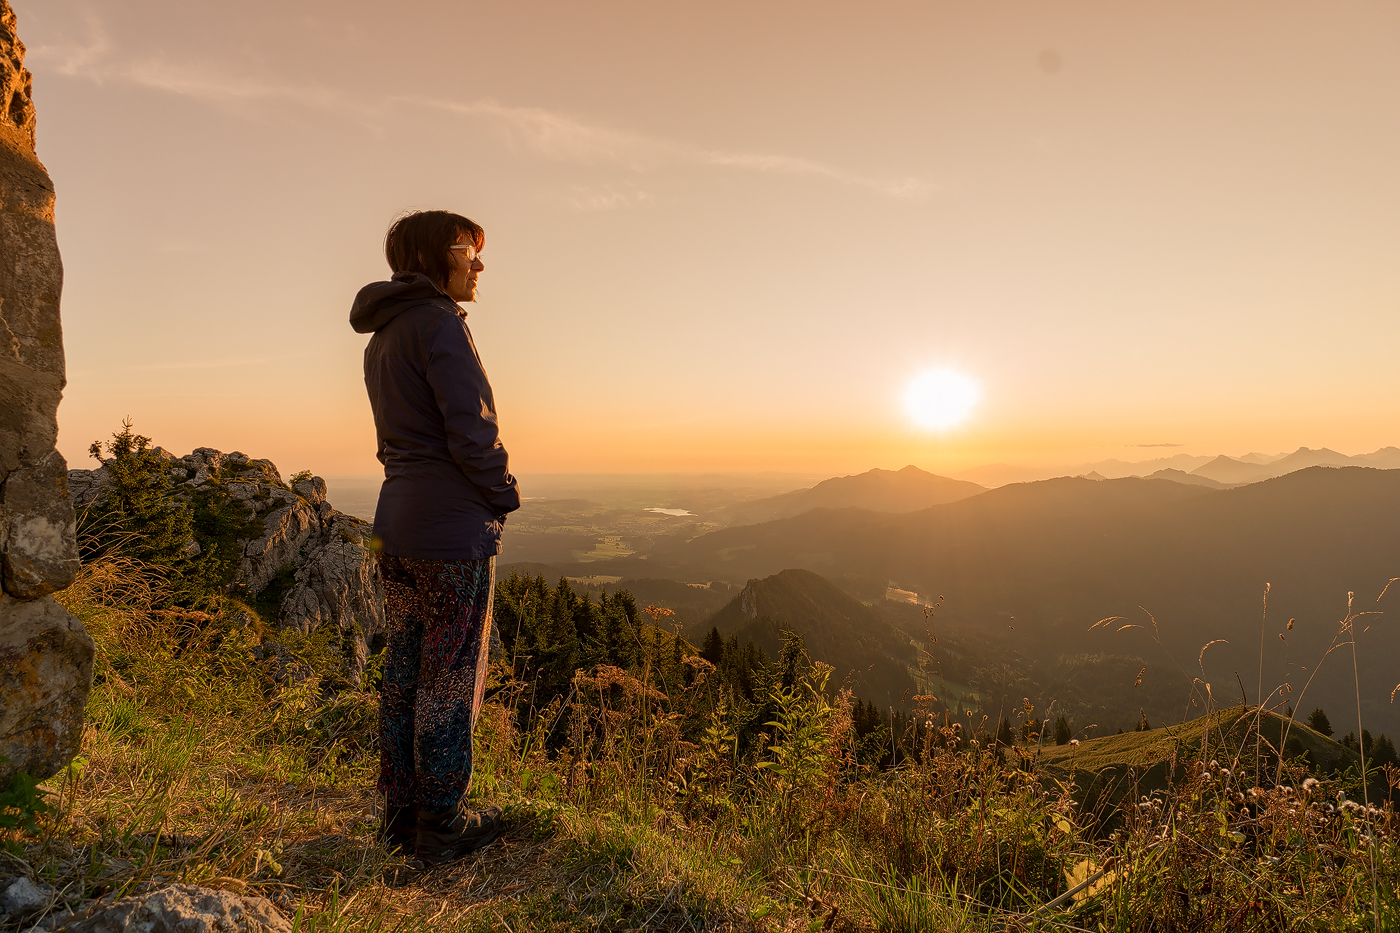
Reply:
x=941, y=398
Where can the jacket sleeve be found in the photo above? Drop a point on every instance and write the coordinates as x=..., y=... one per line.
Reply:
x=468, y=409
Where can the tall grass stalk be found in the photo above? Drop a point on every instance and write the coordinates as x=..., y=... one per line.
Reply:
x=1365, y=782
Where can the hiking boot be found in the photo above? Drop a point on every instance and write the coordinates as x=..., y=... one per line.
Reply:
x=447, y=834
x=399, y=830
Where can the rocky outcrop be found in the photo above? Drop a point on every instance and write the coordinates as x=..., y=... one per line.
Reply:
x=304, y=563
x=16, y=83
x=45, y=656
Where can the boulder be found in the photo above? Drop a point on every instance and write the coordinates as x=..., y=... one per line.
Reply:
x=313, y=490
x=40, y=556
x=45, y=657
x=285, y=533
x=20, y=897
x=178, y=908
x=45, y=674
x=338, y=584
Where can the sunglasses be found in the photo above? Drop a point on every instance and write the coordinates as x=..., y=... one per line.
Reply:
x=467, y=248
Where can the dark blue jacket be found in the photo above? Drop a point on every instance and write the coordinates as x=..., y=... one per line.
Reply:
x=447, y=485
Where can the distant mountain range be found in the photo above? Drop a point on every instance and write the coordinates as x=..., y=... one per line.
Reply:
x=1249, y=468
x=1046, y=560
x=1229, y=470
x=906, y=490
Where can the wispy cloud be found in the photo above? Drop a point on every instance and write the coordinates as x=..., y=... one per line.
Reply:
x=227, y=363
x=93, y=375
x=74, y=59
x=96, y=60
x=608, y=198
x=548, y=133
x=561, y=136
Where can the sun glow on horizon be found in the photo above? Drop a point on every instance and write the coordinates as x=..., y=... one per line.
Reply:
x=941, y=398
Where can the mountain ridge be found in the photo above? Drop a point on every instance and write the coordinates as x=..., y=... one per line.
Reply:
x=906, y=490
x=1250, y=467
x=1225, y=469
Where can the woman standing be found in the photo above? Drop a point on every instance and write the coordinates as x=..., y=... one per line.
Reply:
x=447, y=490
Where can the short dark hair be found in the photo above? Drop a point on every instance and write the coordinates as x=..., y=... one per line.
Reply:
x=418, y=242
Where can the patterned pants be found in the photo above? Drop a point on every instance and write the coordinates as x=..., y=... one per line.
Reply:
x=439, y=634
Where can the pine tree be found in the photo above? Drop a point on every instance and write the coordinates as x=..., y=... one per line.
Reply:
x=1318, y=722
x=712, y=648
x=139, y=514
x=1004, y=734
x=624, y=601
x=1062, y=733
x=615, y=641
x=585, y=615
x=794, y=650
x=1383, y=753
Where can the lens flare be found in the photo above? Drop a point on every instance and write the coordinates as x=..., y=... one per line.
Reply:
x=939, y=399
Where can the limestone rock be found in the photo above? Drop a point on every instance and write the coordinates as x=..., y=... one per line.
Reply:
x=45, y=674
x=84, y=486
x=16, y=83
x=285, y=532
x=338, y=583
x=35, y=516
x=312, y=490
x=45, y=656
x=243, y=491
x=39, y=536
x=181, y=908
x=20, y=897
x=314, y=558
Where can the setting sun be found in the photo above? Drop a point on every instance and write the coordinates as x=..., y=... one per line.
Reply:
x=939, y=399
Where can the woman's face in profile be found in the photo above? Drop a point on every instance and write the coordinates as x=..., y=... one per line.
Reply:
x=466, y=266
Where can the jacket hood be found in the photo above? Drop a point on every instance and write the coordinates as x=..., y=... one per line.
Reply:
x=378, y=303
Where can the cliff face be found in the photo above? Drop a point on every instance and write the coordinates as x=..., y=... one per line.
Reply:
x=305, y=563
x=45, y=655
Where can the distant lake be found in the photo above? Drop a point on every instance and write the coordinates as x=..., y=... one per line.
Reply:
x=674, y=513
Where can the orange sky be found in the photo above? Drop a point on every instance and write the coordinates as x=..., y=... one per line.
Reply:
x=726, y=236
